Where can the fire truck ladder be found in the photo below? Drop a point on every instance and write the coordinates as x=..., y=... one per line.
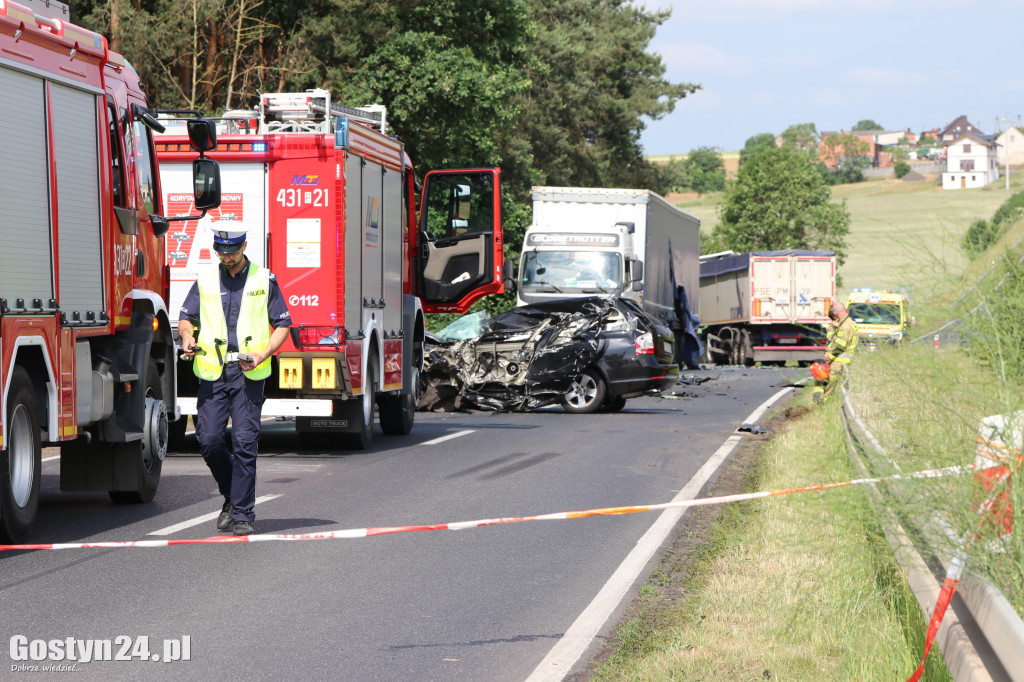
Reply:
x=313, y=112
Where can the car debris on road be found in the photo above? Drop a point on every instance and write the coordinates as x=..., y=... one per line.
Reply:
x=587, y=354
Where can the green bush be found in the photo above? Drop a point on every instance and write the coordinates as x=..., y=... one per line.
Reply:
x=983, y=234
x=901, y=168
x=1009, y=212
x=979, y=236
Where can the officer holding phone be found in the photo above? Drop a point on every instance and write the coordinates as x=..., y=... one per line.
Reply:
x=232, y=321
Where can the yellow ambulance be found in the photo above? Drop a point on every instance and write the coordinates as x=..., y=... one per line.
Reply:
x=881, y=316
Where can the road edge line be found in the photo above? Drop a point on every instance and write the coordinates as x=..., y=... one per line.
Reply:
x=560, y=660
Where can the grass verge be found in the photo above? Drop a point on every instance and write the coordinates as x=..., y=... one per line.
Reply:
x=795, y=587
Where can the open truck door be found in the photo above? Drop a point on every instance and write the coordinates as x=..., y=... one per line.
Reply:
x=460, y=253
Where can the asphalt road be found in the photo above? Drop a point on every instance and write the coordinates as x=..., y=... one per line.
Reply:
x=475, y=604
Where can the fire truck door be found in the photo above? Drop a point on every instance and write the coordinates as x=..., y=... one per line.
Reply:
x=459, y=242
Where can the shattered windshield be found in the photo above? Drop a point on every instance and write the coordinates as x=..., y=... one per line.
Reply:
x=572, y=269
x=875, y=313
x=468, y=326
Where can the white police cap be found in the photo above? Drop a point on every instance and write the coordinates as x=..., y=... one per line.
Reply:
x=228, y=241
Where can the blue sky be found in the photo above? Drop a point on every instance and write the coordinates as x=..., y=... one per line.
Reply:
x=767, y=64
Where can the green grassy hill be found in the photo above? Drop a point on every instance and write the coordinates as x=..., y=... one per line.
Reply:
x=903, y=235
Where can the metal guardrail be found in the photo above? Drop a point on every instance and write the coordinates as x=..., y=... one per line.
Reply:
x=982, y=637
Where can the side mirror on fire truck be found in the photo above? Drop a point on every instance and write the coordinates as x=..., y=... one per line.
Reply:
x=206, y=181
x=202, y=133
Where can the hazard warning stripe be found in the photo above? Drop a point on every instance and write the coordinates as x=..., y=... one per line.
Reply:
x=481, y=523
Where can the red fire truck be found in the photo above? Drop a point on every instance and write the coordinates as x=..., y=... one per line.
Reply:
x=328, y=202
x=86, y=353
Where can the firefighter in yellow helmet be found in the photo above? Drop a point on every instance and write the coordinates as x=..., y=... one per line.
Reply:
x=842, y=343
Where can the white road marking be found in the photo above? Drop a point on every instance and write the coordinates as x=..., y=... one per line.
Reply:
x=50, y=459
x=574, y=643
x=202, y=519
x=449, y=437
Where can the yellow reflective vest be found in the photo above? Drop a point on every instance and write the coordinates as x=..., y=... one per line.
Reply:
x=253, y=329
x=842, y=341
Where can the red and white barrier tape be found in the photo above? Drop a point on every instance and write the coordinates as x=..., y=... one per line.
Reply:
x=461, y=525
x=956, y=570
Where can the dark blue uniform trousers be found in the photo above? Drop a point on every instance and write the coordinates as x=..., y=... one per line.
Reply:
x=241, y=399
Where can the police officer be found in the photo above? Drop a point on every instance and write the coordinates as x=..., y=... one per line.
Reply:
x=232, y=321
x=842, y=342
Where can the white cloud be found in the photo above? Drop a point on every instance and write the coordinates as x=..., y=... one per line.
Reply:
x=697, y=59
x=886, y=78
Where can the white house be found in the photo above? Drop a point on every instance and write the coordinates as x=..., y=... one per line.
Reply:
x=971, y=161
x=1011, y=142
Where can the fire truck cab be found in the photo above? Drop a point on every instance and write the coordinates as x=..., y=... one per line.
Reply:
x=328, y=202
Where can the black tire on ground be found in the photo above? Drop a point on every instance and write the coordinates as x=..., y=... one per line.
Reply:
x=149, y=459
x=587, y=393
x=613, y=403
x=398, y=410
x=21, y=463
x=363, y=438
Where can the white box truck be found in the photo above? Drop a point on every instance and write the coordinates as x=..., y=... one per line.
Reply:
x=629, y=243
x=766, y=306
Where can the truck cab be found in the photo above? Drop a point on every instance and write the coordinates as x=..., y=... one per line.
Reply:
x=556, y=263
x=881, y=316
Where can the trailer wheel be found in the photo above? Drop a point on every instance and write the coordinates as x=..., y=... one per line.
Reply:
x=734, y=346
x=586, y=394
x=147, y=454
x=21, y=462
x=398, y=411
x=364, y=437
x=746, y=349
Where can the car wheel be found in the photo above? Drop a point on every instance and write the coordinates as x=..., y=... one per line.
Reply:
x=586, y=394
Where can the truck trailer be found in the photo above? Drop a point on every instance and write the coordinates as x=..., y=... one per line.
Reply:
x=328, y=202
x=629, y=243
x=87, y=361
x=766, y=306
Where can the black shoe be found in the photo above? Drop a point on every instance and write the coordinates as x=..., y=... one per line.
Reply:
x=242, y=528
x=224, y=520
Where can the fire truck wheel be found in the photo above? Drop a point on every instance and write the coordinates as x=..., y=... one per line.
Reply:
x=586, y=394
x=21, y=462
x=148, y=452
x=362, y=439
x=398, y=411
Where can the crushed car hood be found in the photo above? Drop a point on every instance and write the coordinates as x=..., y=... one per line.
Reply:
x=528, y=357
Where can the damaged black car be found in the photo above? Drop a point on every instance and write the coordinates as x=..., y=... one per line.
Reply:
x=586, y=354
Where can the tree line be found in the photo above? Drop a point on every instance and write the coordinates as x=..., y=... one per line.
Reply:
x=552, y=91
